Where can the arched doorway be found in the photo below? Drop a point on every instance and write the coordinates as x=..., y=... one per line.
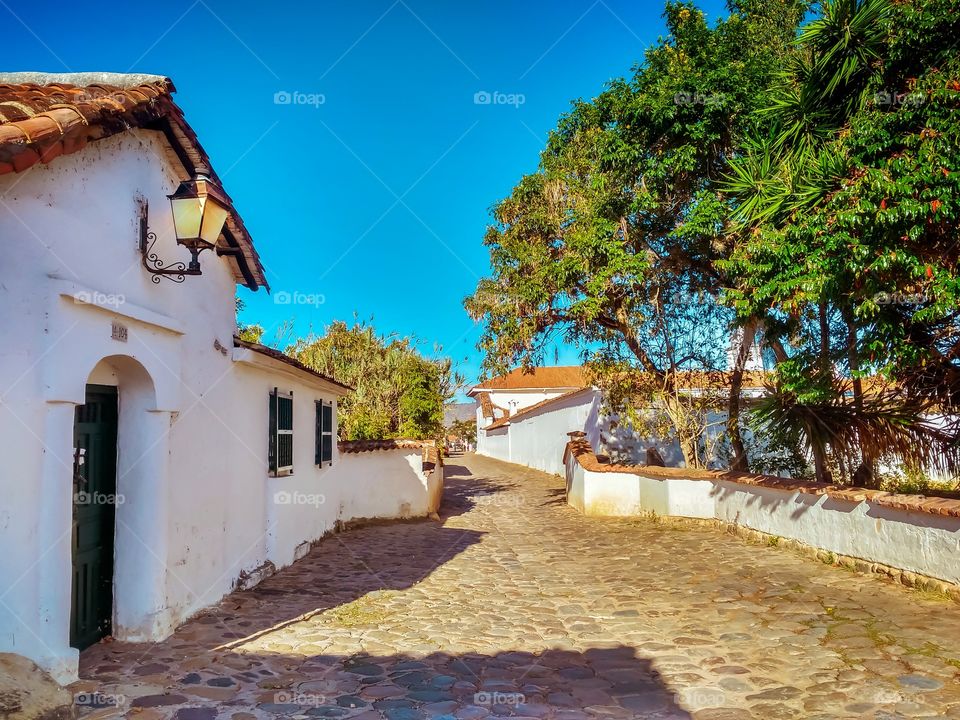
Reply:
x=119, y=519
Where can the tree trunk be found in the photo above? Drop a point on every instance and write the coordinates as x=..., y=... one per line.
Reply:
x=820, y=465
x=739, y=461
x=689, y=441
x=824, y=338
x=864, y=475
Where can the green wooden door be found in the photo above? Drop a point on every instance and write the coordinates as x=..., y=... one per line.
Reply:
x=94, y=505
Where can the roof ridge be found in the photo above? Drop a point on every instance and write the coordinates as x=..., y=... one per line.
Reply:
x=124, y=81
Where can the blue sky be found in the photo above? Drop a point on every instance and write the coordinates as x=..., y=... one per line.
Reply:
x=368, y=192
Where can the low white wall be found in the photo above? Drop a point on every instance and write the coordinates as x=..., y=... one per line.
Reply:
x=359, y=486
x=918, y=542
x=387, y=484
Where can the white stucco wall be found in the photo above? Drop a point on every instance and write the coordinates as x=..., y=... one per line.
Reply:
x=199, y=506
x=915, y=541
x=386, y=484
x=538, y=438
x=495, y=443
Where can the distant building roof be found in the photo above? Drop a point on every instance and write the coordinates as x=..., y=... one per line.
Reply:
x=564, y=377
x=501, y=422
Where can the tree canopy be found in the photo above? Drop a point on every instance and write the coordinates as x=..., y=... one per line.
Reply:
x=399, y=392
x=769, y=177
x=612, y=244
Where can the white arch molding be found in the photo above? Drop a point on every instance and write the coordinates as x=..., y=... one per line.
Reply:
x=141, y=541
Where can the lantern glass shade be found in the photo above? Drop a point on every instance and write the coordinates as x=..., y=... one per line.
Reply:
x=198, y=211
x=187, y=216
x=214, y=215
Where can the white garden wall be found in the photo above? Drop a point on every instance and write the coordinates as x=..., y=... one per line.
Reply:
x=494, y=443
x=923, y=542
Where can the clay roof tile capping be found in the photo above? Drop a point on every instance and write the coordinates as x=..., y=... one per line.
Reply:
x=45, y=115
x=565, y=376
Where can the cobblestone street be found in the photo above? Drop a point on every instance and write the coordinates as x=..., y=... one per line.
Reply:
x=517, y=605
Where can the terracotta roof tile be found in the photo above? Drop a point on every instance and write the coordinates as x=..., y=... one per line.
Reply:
x=429, y=451
x=498, y=423
x=486, y=405
x=570, y=376
x=43, y=116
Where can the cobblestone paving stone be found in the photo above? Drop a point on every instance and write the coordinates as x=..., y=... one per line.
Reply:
x=516, y=605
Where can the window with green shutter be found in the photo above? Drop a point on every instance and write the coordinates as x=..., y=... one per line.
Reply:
x=324, y=433
x=281, y=433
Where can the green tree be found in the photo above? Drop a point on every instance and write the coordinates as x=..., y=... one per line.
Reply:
x=848, y=217
x=464, y=430
x=612, y=244
x=398, y=391
x=248, y=333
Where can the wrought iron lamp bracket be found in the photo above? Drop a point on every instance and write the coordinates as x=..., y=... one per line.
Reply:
x=175, y=272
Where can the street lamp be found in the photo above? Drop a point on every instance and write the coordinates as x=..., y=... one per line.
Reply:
x=200, y=209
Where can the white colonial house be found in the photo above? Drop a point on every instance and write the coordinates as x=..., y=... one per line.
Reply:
x=154, y=462
x=524, y=416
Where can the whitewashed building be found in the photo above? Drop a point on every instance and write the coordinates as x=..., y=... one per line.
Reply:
x=524, y=417
x=154, y=463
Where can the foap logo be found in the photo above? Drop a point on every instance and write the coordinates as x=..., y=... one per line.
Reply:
x=696, y=698
x=288, y=697
x=92, y=297
x=901, y=298
x=296, y=297
x=483, y=97
x=696, y=98
x=282, y=497
x=96, y=699
x=498, y=499
x=489, y=699
x=314, y=100
x=98, y=498
x=886, y=697
x=119, y=97
x=895, y=99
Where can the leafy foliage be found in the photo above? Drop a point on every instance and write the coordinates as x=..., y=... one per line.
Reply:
x=799, y=181
x=398, y=391
x=464, y=430
x=847, y=226
x=612, y=244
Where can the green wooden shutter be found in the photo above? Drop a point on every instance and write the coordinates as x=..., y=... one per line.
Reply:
x=318, y=433
x=281, y=433
x=327, y=433
x=324, y=433
x=272, y=453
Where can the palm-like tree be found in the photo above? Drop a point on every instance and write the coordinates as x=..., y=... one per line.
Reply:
x=792, y=165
